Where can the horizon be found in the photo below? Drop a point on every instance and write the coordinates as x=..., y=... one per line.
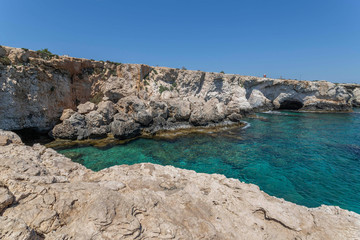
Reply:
x=303, y=41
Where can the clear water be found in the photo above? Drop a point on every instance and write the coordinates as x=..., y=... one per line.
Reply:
x=306, y=158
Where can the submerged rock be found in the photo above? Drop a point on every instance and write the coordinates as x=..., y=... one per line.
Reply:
x=59, y=199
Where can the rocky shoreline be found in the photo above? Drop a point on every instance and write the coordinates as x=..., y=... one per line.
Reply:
x=44, y=195
x=74, y=98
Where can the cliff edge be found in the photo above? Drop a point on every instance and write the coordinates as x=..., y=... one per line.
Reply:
x=80, y=99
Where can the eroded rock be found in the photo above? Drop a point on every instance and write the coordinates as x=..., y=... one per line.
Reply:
x=146, y=201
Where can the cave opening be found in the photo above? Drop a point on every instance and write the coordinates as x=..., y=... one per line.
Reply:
x=291, y=105
x=30, y=136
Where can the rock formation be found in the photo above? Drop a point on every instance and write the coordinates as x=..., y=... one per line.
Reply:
x=44, y=195
x=91, y=99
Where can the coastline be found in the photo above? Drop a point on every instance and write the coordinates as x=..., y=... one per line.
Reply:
x=45, y=195
x=148, y=200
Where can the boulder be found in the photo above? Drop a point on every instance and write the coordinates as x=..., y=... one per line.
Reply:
x=94, y=119
x=258, y=101
x=99, y=132
x=66, y=114
x=107, y=110
x=8, y=137
x=124, y=130
x=143, y=117
x=71, y=128
x=86, y=107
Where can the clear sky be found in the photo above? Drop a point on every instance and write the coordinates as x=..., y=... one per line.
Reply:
x=302, y=39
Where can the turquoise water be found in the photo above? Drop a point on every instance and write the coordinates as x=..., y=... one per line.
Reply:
x=306, y=158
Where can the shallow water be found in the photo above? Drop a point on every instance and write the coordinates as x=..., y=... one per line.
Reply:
x=306, y=158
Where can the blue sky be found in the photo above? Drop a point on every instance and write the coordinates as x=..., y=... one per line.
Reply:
x=308, y=40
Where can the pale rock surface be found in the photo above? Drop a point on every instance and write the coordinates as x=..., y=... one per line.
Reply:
x=58, y=199
x=257, y=100
x=86, y=107
x=66, y=114
x=356, y=100
x=8, y=137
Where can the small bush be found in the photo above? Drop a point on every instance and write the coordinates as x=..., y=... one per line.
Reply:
x=155, y=71
x=45, y=54
x=113, y=72
x=52, y=89
x=174, y=84
x=171, y=88
x=163, y=89
x=97, y=98
x=116, y=63
x=25, y=49
x=146, y=83
x=222, y=72
x=183, y=68
x=5, y=61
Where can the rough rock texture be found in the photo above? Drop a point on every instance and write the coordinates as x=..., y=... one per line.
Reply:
x=7, y=137
x=51, y=197
x=36, y=91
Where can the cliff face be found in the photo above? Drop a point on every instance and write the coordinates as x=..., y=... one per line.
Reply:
x=44, y=195
x=132, y=98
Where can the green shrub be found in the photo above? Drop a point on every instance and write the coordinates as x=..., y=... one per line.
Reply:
x=174, y=84
x=52, y=89
x=162, y=89
x=25, y=49
x=113, y=72
x=116, y=63
x=5, y=61
x=222, y=72
x=97, y=98
x=146, y=83
x=155, y=71
x=45, y=54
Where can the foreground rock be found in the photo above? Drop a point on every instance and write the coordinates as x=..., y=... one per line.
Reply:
x=46, y=195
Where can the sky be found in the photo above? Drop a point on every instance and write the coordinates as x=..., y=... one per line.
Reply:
x=304, y=40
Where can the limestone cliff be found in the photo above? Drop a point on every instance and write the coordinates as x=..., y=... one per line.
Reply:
x=44, y=195
x=133, y=99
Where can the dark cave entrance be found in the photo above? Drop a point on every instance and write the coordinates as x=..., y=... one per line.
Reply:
x=30, y=136
x=291, y=105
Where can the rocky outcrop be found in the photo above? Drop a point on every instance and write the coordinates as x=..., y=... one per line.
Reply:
x=354, y=90
x=41, y=91
x=45, y=195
